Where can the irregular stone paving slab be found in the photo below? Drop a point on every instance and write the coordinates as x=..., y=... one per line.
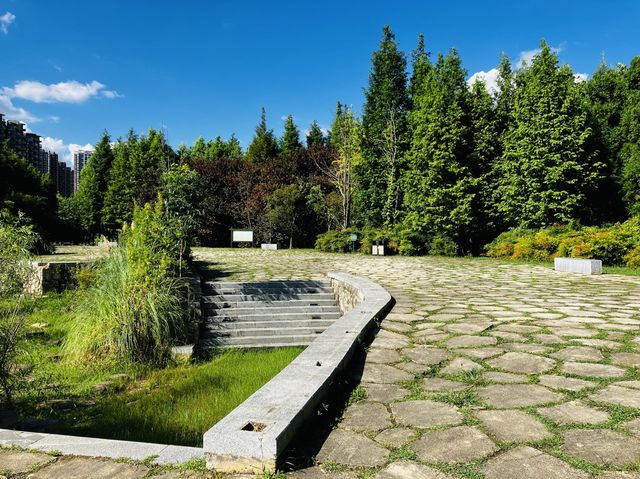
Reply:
x=454, y=445
x=404, y=317
x=528, y=463
x=549, y=338
x=629, y=384
x=618, y=395
x=384, y=392
x=601, y=446
x=578, y=353
x=429, y=336
x=599, y=343
x=561, y=382
x=426, y=355
x=383, y=374
x=498, y=377
x=480, y=353
x=410, y=470
x=516, y=395
x=389, y=340
x=468, y=327
x=414, y=368
x=431, y=326
x=506, y=336
x=460, y=365
x=631, y=360
x=441, y=384
x=577, y=332
x=81, y=468
x=308, y=473
x=619, y=475
x=466, y=341
x=367, y=416
x=592, y=370
x=395, y=437
x=518, y=328
x=396, y=327
x=522, y=363
x=526, y=348
x=425, y=413
x=513, y=426
x=351, y=449
x=383, y=356
x=14, y=462
x=574, y=412
x=633, y=426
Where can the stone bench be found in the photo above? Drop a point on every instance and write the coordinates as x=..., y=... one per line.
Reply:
x=578, y=265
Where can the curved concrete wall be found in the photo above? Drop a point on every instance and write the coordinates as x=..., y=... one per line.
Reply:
x=252, y=436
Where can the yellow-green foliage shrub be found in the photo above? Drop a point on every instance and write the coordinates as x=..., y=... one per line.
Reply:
x=613, y=245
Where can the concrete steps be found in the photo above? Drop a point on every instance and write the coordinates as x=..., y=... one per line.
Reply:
x=266, y=314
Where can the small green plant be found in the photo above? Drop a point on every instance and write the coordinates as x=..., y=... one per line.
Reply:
x=357, y=395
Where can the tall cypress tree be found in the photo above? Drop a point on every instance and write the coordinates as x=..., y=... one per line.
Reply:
x=290, y=143
x=385, y=108
x=439, y=182
x=264, y=145
x=315, y=137
x=94, y=181
x=546, y=172
x=630, y=153
x=138, y=165
x=486, y=148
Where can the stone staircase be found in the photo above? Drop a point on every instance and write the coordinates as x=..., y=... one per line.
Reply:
x=265, y=314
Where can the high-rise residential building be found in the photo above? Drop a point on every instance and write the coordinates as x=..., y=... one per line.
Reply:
x=32, y=150
x=80, y=159
x=26, y=145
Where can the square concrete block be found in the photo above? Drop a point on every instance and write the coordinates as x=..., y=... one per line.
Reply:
x=578, y=265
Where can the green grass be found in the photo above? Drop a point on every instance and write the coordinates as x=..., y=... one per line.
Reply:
x=178, y=404
x=175, y=404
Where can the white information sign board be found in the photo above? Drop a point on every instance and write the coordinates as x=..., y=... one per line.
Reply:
x=242, y=236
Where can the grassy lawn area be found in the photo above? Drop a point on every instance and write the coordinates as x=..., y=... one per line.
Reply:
x=175, y=405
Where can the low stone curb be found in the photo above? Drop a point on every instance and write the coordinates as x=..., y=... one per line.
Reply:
x=96, y=447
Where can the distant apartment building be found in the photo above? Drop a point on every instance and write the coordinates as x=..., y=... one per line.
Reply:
x=80, y=159
x=28, y=146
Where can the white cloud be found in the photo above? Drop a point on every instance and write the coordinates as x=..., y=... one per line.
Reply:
x=13, y=112
x=64, y=92
x=6, y=20
x=490, y=79
x=580, y=77
x=526, y=57
x=65, y=152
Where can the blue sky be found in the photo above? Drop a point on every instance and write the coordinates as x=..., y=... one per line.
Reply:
x=71, y=69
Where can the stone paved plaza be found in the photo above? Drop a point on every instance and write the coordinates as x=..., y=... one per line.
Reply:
x=482, y=369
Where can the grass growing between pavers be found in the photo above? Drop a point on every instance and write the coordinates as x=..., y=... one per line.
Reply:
x=175, y=404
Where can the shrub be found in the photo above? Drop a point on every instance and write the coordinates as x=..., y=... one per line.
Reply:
x=633, y=258
x=335, y=241
x=442, y=246
x=613, y=245
x=17, y=240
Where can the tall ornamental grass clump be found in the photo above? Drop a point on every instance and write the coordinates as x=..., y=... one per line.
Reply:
x=137, y=305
